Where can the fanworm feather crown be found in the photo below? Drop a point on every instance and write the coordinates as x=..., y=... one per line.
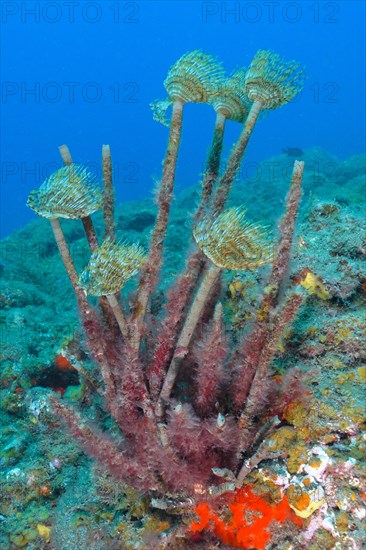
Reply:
x=193, y=76
x=229, y=98
x=231, y=242
x=272, y=80
x=192, y=79
x=70, y=192
x=110, y=267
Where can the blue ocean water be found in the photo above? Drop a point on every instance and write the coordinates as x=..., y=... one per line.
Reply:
x=84, y=73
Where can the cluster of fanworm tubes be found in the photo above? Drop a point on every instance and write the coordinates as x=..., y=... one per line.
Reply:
x=203, y=435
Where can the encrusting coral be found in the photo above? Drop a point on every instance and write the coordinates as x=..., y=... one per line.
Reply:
x=192, y=441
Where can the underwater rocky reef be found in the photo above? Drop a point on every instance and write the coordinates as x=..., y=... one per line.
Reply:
x=222, y=393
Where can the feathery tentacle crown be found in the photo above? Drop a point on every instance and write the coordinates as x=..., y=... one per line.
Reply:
x=70, y=192
x=272, y=80
x=191, y=79
x=229, y=97
x=193, y=76
x=110, y=267
x=231, y=242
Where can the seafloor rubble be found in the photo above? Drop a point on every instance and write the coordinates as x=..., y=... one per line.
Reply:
x=53, y=496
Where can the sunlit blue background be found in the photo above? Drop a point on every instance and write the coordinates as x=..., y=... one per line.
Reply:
x=94, y=67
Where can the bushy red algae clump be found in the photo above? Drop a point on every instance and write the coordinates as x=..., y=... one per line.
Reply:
x=250, y=518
